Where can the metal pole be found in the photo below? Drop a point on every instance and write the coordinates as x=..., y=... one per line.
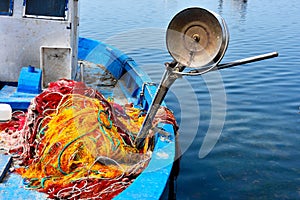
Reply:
x=167, y=80
x=171, y=74
x=198, y=72
x=248, y=60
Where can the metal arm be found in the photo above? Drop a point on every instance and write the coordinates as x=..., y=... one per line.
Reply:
x=167, y=80
x=169, y=77
x=197, y=72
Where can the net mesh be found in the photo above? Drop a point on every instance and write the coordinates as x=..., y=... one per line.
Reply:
x=73, y=143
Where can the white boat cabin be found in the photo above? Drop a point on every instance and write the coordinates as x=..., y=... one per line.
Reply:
x=39, y=33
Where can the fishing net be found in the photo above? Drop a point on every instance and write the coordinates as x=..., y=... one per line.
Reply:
x=72, y=143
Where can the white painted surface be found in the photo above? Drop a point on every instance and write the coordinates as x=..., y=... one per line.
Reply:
x=21, y=39
x=5, y=112
x=53, y=63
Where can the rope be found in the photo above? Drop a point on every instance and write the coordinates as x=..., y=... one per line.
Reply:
x=74, y=143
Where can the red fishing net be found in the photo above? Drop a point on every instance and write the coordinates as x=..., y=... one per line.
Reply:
x=73, y=143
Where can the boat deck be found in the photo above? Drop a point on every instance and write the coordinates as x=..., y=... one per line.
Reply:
x=94, y=75
x=99, y=78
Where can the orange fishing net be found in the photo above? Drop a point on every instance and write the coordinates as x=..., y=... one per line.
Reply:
x=73, y=143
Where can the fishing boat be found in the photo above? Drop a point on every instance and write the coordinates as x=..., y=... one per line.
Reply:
x=40, y=45
x=48, y=71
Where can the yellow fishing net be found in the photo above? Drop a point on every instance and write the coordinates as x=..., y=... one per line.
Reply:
x=78, y=145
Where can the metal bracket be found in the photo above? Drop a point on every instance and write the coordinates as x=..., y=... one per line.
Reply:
x=167, y=80
x=142, y=93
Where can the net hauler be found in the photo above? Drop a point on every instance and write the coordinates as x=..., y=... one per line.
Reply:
x=196, y=38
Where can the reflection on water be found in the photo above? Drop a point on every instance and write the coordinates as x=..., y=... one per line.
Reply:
x=239, y=6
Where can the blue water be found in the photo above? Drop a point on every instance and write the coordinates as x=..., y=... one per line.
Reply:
x=256, y=106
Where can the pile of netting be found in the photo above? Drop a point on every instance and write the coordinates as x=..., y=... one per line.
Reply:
x=72, y=143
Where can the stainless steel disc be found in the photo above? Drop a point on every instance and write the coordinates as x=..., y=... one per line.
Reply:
x=197, y=38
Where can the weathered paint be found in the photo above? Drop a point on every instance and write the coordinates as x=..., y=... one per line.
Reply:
x=21, y=39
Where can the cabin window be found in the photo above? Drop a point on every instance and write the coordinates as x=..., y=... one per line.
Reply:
x=50, y=9
x=6, y=7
